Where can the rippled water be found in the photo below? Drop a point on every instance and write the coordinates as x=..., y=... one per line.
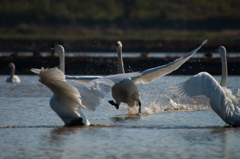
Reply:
x=169, y=127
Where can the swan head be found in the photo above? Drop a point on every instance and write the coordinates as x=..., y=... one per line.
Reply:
x=119, y=45
x=59, y=49
x=11, y=65
x=221, y=50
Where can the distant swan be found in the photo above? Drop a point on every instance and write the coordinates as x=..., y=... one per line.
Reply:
x=226, y=105
x=66, y=100
x=126, y=81
x=13, y=78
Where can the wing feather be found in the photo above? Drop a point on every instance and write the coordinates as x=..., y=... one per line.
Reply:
x=204, y=84
x=157, y=72
x=55, y=80
x=83, y=79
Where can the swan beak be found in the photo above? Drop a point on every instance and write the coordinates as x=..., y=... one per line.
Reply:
x=217, y=51
x=53, y=47
x=119, y=43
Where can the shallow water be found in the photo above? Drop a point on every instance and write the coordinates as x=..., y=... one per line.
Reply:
x=169, y=127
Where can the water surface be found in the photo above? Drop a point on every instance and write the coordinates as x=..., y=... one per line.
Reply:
x=169, y=127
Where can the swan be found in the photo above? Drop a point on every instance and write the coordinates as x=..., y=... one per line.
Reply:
x=66, y=100
x=125, y=91
x=122, y=81
x=222, y=101
x=13, y=78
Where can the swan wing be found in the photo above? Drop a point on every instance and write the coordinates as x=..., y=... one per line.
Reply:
x=152, y=74
x=96, y=90
x=204, y=84
x=55, y=80
x=80, y=79
x=83, y=79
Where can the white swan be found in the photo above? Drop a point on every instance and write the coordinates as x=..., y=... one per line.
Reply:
x=13, y=78
x=226, y=105
x=125, y=91
x=146, y=76
x=66, y=100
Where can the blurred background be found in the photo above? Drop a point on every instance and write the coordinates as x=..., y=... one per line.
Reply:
x=88, y=26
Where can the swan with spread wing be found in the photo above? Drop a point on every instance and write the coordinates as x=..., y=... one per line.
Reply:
x=122, y=87
x=66, y=100
x=222, y=101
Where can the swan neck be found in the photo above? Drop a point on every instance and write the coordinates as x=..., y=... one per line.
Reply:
x=224, y=71
x=120, y=62
x=12, y=72
x=62, y=61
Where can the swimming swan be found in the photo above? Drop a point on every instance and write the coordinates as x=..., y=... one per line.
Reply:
x=222, y=101
x=66, y=100
x=13, y=78
x=146, y=76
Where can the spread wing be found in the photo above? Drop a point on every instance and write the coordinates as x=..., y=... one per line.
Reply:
x=157, y=72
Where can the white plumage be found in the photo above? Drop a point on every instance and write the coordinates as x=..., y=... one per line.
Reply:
x=127, y=88
x=66, y=100
x=97, y=87
x=13, y=78
x=222, y=101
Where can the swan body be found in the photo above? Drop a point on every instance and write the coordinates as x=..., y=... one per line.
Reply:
x=222, y=101
x=126, y=91
x=13, y=78
x=66, y=100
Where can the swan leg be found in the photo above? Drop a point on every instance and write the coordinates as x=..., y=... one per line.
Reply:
x=113, y=103
x=139, y=107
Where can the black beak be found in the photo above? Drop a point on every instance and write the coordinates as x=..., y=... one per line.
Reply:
x=52, y=46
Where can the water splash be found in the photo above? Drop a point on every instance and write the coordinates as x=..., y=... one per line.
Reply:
x=168, y=105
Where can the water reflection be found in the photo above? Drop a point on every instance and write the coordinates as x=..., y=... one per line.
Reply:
x=121, y=119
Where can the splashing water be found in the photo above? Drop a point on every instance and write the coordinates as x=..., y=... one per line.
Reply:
x=168, y=104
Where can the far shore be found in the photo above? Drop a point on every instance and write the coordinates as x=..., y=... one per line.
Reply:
x=83, y=65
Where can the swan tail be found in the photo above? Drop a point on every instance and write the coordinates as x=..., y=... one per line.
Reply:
x=37, y=71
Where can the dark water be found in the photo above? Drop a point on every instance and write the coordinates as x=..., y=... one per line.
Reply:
x=169, y=127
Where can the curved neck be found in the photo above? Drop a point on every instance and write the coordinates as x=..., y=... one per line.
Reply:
x=12, y=72
x=120, y=62
x=62, y=61
x=224, y=71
